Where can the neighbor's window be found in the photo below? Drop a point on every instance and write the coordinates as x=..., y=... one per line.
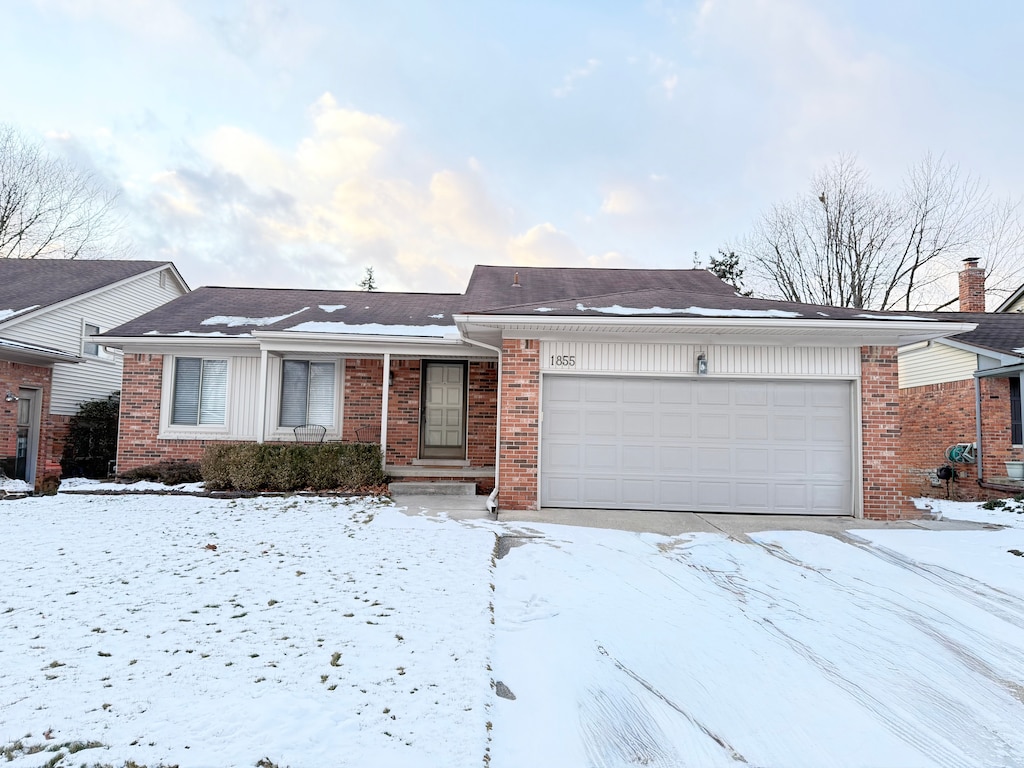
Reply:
x=1016, y=426
x=200, y=391
x=90, y=347
x=307, y=393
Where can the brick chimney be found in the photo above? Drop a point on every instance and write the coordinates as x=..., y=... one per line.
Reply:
x=972, y=286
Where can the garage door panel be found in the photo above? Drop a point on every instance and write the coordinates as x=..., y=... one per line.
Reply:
x=601, y=390
x=675, y=392
x=675, y=458
x=751, y=427
x=562, y=457
x=691, y=444
x=790, y=428
x=638, y=458
x=600, y=423
x=753, y=496
x=712, y=426
x=639, y=424
x=675, y=425
x=601, y=458
x=756, y=461
x=562, y=422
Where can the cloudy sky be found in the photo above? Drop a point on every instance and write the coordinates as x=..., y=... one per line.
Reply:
x=293, y=143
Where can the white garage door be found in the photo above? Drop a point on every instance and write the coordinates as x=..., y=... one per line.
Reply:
x=703, y=445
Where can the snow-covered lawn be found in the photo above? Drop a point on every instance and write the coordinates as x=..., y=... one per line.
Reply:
x=316, y=632
x=199, y=632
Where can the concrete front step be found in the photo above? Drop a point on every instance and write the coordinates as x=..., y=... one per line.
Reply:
x=412, y=488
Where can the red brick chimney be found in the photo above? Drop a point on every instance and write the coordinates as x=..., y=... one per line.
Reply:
x=972, y=286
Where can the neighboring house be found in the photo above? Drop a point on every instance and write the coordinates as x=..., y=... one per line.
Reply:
x=50, y=361
x=945, y=384
x=592, y=388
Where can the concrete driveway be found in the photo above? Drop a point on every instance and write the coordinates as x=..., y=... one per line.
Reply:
x=666, y=523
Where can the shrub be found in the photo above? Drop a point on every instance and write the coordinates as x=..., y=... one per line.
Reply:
x=331, y=466
x=171, y=472
x=92, y=438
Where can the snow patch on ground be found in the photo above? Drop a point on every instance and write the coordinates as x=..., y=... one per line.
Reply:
x=14, y=486
x=80, y=484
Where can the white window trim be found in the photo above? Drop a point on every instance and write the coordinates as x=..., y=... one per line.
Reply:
x=102, y=353
x=275, y=370
x=169, y=431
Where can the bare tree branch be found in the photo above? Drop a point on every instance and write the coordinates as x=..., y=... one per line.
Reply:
x=848, y=243
x=49, y=208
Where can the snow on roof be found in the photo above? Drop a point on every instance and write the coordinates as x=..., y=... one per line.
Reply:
x=615, y=309
x=233, y=321
x=332, y=307
x=895, y=317
x=196, y=333
x=376, y=329
x=8, y=313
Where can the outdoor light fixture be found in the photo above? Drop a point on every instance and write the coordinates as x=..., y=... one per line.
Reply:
x=10, y=397
x=702, y=364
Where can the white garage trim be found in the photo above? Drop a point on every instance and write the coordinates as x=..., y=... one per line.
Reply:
x=772, y=446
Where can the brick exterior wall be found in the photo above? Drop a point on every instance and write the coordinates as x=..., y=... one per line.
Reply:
x=883, y=487
x=14, y=376
x=520, y=424
x=138, y=442
x=937, y=416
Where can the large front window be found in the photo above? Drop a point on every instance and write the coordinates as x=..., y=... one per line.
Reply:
x=307, y=393
x=200, y=391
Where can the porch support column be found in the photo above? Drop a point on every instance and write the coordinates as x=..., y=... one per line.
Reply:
x=977, y=427
x=261, y=405
x=384, y=411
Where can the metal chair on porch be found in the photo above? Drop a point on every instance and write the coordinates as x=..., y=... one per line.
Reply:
x=368, y=433
x=310, y=433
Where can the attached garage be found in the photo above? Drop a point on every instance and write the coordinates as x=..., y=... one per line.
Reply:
x=696, y=444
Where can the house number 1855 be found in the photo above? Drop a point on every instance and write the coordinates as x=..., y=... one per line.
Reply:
x=563, y=361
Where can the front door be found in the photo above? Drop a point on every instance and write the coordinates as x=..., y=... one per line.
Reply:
x=27, y=445
x=443, y=413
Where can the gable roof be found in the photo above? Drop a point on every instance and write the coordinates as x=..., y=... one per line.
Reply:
x=1002, y=333
x=31, y=284
x=492, y=288
x=673, y=300
x=242, y=311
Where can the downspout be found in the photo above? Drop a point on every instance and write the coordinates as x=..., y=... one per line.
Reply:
x=384, y=412
x=261, y=405
x=977, y=425
x=492, y=499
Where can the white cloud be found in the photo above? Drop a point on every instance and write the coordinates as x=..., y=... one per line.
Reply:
x=577, y=74
x=343, y=197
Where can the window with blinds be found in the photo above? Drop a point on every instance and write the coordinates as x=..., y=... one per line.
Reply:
x=307, y=393
x=200, y=391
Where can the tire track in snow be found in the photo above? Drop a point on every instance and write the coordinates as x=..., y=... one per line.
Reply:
x=1007, y=607
x=957, y=718
x=726, y=747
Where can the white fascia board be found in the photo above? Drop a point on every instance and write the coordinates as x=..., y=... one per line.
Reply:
x=178, y=345
x=33, y=354
x=365, y=344
x=95, y=292
x=797, y=331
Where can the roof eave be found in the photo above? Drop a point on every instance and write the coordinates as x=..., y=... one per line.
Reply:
x=861, y=332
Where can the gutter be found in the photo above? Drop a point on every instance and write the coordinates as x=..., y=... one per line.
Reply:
x=492, y=500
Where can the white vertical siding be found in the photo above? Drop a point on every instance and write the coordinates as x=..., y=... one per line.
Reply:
x=61, y=328
x=731, y=360
x=934, y=364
